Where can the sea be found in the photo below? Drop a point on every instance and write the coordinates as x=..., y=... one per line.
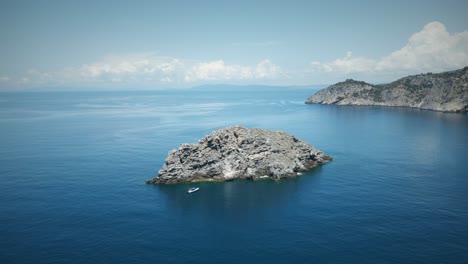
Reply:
x=73, y=166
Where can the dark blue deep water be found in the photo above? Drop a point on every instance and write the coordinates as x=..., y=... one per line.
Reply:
x=73, y=165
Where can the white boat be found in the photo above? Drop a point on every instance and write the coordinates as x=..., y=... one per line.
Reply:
x=193, y=189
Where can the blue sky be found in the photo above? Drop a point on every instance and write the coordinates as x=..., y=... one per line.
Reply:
x=165, y=44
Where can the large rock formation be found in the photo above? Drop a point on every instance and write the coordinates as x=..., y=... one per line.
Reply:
x=447, y=92
x=239, y=152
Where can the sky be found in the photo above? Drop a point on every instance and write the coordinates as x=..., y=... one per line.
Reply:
x=176, y=44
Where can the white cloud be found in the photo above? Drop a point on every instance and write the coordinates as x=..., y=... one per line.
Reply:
x=431, y=49
x=150, y=69
x=219, y=71
x=127, y=66
x=346, y=65
x=4, y=78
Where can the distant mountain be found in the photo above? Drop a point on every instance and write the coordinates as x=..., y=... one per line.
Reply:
x=446, y=92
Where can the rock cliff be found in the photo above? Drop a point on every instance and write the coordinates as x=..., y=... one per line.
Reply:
x=446, y=92
x=239, y=152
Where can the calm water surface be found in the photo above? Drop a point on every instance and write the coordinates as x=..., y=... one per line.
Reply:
x=73, y=165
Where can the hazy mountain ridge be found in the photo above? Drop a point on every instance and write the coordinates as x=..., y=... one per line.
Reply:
x=446, y=92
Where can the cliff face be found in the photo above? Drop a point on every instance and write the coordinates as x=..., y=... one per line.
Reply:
x=239, y=152
x=447, y=92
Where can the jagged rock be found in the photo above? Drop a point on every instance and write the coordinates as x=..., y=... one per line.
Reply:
x=446, y=92
x=239, y=152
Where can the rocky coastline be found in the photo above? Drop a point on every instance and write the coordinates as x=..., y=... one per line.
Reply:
x=445, y=92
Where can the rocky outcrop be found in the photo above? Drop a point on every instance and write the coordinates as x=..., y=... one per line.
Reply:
x=239, y=152
x=446, y=92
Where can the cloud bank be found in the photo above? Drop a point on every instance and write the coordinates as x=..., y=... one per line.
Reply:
x=433, y=49
x=150, y=69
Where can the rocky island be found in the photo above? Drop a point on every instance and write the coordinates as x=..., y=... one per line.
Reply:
x=446, y=92
x=240, y=153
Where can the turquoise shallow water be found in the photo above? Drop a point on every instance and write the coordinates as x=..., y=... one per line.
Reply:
x=73, y=165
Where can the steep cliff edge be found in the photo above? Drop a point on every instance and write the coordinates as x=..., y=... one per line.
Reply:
x=446, y=92
x=239, y=152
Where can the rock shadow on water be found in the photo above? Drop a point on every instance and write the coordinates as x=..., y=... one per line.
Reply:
x=237, y=197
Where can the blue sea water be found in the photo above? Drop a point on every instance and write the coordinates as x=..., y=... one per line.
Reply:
x=73, y=165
